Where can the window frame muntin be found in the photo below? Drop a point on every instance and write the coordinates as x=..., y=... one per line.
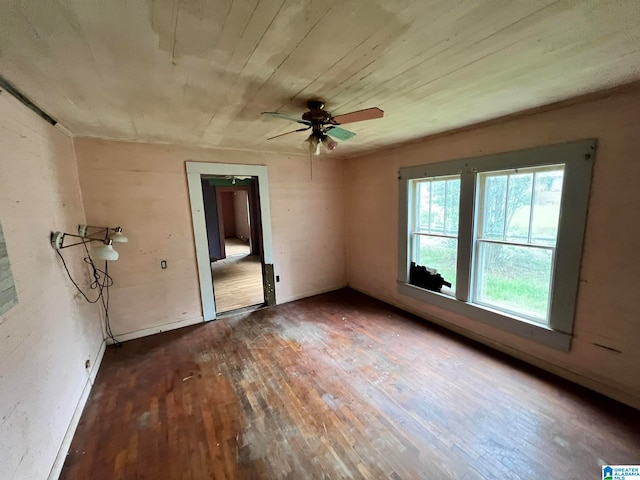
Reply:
x=416, y=214
x=577, y=158
x=495, y=173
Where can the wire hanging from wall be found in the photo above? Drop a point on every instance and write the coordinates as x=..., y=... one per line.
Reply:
x=101, y=280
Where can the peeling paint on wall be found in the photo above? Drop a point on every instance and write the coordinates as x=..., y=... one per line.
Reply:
x=8, y=295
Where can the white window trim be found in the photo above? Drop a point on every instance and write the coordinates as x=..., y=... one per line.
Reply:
x=577, y=157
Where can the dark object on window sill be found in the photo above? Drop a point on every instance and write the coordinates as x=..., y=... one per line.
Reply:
x=422, y=277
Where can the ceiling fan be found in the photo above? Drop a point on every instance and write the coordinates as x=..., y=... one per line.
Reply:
x=323, y=125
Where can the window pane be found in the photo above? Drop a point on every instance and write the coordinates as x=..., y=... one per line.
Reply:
x=518, y=207
x=514, y=278
x=546, y=206
x=440, y=254
x=438, y=205
x=424, y=197
x=452, y=207
x=495, y=192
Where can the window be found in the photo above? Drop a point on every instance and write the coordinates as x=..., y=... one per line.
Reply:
x=435, y=233
x=516, y=235
x=506, y=231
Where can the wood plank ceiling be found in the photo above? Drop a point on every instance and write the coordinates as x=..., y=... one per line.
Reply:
x=200, y=71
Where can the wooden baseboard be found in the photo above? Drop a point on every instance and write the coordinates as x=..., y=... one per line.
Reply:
x=58, y=463
x=156, y=329
x=293, y=298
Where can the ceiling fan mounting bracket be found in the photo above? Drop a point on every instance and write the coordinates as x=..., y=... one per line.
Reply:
x=315, y=105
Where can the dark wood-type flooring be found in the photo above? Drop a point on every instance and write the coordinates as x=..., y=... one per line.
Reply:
x=338, y=386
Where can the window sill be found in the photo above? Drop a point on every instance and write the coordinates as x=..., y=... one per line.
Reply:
x=531, y=331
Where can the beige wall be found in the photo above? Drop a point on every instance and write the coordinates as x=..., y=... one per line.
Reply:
x=143, y=187
x=608, y=305
x=46, y=338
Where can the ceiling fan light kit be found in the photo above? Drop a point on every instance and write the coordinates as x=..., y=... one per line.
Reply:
x=325, y=130
x=316, y=140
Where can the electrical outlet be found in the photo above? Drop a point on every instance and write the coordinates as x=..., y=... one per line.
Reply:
x=277, y=278
x=163, y=264
x=87, y=363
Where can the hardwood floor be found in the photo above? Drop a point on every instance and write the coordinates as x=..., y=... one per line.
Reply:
x=237, y=282
x=338, y=386
x=235, y=246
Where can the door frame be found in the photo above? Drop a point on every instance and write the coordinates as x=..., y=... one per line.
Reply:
x=194, y=172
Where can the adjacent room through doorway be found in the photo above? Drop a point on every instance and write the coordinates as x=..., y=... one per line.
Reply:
x=234, y=237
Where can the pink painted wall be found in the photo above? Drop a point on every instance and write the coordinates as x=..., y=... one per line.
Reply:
x=241, y=214
x=608, y=309
x=143, y=187
x=46, y=338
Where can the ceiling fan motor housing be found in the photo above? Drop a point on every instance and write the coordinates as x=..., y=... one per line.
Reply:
x=316, y=116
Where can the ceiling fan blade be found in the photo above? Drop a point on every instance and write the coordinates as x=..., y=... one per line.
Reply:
x=359, y=116
x=292, y=131
x=286, y=117
x=340, y=133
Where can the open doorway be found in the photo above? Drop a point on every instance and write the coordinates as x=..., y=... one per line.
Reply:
x=234, y=236
x=232, y=229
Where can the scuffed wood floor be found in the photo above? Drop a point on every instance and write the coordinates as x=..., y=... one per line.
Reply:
x=338, y=386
